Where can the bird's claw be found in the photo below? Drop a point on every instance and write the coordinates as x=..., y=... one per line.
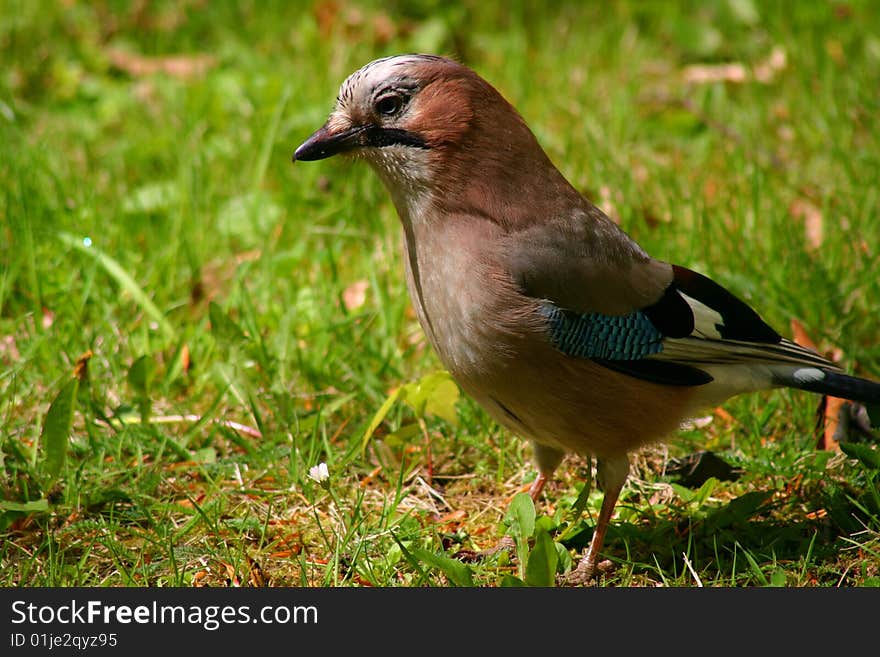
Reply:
x=586, y=571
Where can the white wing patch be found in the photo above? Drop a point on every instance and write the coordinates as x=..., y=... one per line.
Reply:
x=705, y=318
x=808, y=375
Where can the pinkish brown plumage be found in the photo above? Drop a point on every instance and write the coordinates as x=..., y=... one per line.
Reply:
x=543, y=309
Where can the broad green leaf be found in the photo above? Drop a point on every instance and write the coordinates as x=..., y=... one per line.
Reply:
x=521, y=517
x=705, y=491
x=402, y=435
x=686, y=494
x=778, y=578
x=511, y=581
x=56, y=429
x=140, y=375
x=739, y=510
x=521, y=523
x=434, y=394
x=457, y=572
x=442, y=401
x=564, y=562
x=541, y=568
x=545, y=523
x=583, y=496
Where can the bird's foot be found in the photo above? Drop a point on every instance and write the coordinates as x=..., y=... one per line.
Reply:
x=587, y=570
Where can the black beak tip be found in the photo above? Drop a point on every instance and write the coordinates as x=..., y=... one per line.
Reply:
x=301, y=153
x=320, y=145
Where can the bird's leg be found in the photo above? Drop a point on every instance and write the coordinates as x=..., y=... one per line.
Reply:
x=506, y=542
x=612, y=474
x=547, y=459
x=537, y=486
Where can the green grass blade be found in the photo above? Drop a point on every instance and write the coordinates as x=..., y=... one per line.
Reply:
x=380, y=415
x=122, y=277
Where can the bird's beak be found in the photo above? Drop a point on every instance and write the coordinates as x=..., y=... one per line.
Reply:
x=326, y=143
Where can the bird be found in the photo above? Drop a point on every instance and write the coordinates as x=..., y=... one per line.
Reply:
x=544, y=310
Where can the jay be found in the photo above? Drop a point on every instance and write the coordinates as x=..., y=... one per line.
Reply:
x=547, y=313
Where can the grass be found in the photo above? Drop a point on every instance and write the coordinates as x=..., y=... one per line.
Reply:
x=239, y=319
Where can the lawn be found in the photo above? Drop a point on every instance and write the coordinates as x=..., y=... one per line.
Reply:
x=190, y=323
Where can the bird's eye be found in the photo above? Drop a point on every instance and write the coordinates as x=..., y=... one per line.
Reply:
x=389, y=105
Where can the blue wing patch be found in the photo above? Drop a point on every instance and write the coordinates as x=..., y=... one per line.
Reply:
x=605, y=337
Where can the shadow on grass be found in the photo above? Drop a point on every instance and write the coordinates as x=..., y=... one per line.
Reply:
x=726, y=539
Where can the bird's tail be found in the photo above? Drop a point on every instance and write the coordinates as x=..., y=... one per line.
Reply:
x=828, y=382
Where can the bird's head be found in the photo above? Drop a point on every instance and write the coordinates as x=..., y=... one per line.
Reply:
x=427, y=123
x=392, y=112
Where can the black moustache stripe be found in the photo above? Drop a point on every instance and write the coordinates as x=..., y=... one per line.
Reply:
x=381, y=137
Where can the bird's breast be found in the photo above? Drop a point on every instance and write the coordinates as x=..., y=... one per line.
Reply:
x=460, y=299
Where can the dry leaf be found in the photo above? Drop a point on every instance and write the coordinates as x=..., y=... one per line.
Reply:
x=799, y=333
x=326, y=13
x=710, y=190
x=835, y=51
x=284, y=554
x=829, y=417
x=9, y=350
x=814, y=230
x=828, y=413
x=81, y=369
x=366, y=481
x=177, y=66
x=725, y=417
x=785, y=132
x=215, y=276
x=764, y=71
x=708, y=73
x=230, y=574
x=384, y=28
x=256, y=577
x=184, y=358
x=355, y=295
